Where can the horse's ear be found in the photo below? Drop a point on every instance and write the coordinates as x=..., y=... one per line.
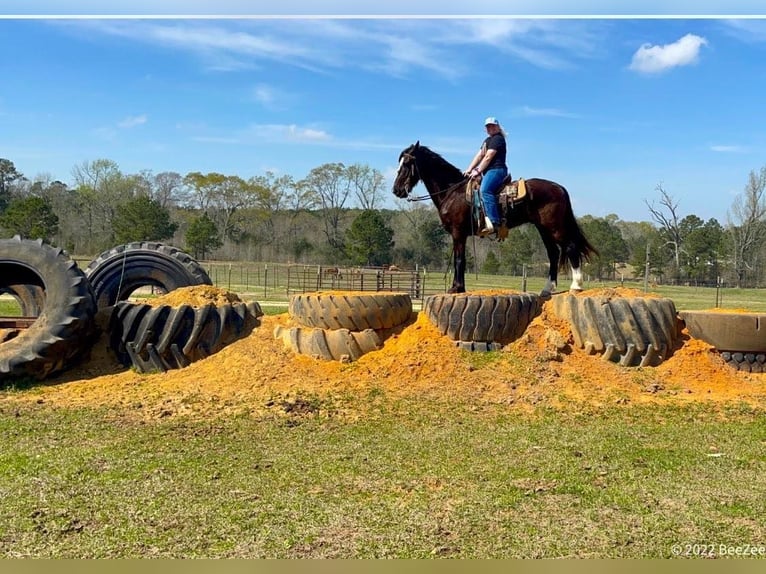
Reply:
x=417, y=145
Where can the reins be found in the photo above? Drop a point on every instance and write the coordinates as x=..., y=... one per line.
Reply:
x=430, y=195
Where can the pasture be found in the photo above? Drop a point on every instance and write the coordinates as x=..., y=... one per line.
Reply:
x=419, y=450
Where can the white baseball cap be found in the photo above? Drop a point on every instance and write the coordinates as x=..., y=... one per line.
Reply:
x=491, y=120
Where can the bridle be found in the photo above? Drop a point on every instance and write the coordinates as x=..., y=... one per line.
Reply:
x=416, y=173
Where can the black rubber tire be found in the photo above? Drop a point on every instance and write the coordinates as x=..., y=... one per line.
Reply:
x=31, y=298
x=161, y=338
x=65, y=324
x=633, y=331
x=116, y=273
x=748, y=362
x=329, y=344
x=467, y=318
x=352, y=311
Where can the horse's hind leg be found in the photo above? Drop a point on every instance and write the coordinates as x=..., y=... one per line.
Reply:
x=573, y=255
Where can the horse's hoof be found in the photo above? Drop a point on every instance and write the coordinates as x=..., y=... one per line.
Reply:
x=576, y=290
x=545, y=295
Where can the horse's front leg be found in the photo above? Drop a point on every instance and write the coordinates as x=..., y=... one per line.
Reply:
x=553, y=266
x=458, y=254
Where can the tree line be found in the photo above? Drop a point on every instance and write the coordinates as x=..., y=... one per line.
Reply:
x=334, y=216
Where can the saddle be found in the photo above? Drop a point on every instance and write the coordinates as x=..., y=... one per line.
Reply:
x=512, y=193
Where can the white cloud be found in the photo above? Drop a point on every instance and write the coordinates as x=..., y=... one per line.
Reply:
x=652, y=59
x=272, y=98
x=132, y=121
x=550, y=112
x=288, y=132
x=727, y=148
x=396, y=47
x=749, y=30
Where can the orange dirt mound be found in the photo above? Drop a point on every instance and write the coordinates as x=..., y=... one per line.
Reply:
x=196, y=296
x=541, y=368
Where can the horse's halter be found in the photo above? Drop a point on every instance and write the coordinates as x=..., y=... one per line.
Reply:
x=414, y=172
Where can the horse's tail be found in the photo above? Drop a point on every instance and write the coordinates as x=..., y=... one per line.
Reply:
x=575, y=237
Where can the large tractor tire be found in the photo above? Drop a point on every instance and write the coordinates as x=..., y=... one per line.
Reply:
x=116, y=273
x=482, y=322
x=351, y=311
x=49, y=285
x=161, y=338
x=30, y=298
x=329, y=344
x=739, y=337
x=632, y=331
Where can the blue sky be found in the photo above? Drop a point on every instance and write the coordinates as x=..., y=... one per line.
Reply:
x=608, y=107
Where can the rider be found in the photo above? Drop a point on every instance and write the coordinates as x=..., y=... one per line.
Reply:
x=490, y=162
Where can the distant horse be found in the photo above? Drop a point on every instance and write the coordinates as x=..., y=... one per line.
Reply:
x=547, y=207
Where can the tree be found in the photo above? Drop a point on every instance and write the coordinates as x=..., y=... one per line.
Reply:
x=367, y=184
x=101, y=188
x=202, y=236
x=702, y=247
x=142, y=219
x=31, y=218
x=519, y=249
x=370, y=240
x=168, y=188
x=603, y=232
x=223, y=197
x=8, y=174
x=641, y=238
x=204, y=188
x=331, y=186
x=747, y=224
x=423, y=241
x=669, y=223
x=491, y=264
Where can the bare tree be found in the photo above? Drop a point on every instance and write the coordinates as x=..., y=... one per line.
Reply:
x=367, y=184
x=666, y=216
x=166, y=188
x=747, y=223
x=332, y=187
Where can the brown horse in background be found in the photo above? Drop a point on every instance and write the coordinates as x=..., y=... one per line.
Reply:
x=547, y=207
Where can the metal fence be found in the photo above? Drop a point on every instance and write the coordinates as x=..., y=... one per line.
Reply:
x=279, y=281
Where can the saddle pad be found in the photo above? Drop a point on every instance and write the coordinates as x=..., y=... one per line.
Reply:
x=515, y=190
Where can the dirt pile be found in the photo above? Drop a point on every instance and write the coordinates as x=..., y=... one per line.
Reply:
x=258, y=373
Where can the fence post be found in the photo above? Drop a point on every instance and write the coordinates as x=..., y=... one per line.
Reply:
x=265, y=279
x=524, y=278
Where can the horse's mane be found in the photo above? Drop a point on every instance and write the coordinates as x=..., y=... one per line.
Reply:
x=438, y=164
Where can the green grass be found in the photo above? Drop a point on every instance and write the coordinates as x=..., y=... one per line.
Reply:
x=414, y=479
x=9, y=307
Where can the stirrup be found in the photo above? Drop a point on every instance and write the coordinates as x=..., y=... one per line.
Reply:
x=488, y=228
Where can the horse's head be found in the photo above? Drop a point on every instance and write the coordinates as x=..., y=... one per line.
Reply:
x=408, y=176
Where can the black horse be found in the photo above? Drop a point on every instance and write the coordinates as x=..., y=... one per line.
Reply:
x=547, y=207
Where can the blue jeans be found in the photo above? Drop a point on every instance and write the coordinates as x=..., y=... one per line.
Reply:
x=490, y=187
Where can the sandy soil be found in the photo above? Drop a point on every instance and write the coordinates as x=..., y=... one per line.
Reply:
x=252, y=375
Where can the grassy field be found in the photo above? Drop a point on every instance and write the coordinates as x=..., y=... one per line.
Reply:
x=416, y=477
x=413, y=479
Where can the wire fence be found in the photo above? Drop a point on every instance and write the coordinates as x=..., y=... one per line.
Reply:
x=274, y=281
